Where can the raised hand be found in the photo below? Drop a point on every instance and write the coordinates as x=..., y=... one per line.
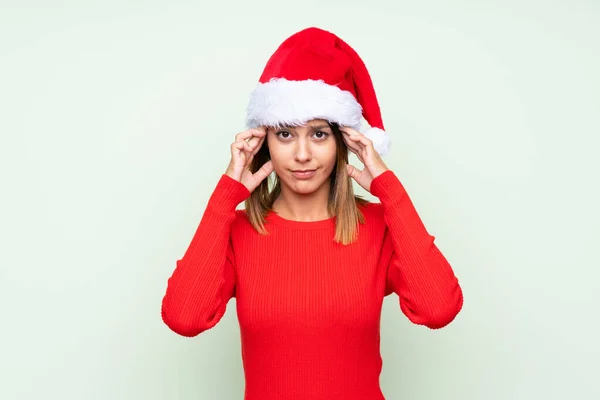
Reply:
x=243, y=150
x=362, y=146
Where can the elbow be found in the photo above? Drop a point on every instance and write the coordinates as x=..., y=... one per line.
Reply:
x=435, y=316
x=441, y=319
x=190, y=317
x=445, y=313
x=185, y=323
x=180, y=325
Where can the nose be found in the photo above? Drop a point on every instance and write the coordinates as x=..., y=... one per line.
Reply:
x=303, y=153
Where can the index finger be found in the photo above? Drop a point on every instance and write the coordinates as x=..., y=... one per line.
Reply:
x=249, y=133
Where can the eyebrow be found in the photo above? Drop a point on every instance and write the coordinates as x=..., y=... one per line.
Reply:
x=324, y=126
x=313, y=127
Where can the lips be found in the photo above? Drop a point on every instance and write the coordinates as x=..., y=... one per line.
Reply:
x=304, y=174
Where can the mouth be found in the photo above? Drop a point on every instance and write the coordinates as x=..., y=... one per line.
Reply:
x=304, y=173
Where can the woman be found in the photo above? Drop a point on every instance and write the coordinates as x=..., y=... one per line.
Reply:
x=308, y=261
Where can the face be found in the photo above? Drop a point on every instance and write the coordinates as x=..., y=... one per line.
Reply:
x=310, y=147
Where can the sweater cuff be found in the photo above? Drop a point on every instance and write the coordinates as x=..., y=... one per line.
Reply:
x=387, y=187
x=228, y=194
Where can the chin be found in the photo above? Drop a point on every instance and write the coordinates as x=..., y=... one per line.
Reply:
x=304, y=188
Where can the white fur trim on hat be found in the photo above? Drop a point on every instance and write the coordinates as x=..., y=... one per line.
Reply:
x=380, y=138
x=284, y=102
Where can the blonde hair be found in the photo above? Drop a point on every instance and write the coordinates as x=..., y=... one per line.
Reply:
x=342, y=202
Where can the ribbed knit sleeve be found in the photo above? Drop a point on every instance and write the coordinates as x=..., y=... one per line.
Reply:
x=204, y=278
x=428, y=290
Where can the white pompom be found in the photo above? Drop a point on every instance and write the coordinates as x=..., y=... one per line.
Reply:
x=380, y=138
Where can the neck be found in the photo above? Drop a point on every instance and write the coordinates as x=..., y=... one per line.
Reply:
x=303, y=207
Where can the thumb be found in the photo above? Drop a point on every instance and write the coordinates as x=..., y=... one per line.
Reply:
x=264, y=171
x=353, y=171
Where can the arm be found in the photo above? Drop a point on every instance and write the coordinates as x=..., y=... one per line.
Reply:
x=204, y=278
x=428, y=290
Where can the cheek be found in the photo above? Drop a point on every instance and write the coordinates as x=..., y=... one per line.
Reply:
x=328, y=156
x=278, y=156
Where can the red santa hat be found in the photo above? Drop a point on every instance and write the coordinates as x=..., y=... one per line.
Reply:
x=314, y=74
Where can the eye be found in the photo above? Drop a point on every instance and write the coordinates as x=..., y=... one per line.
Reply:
x=323, y=135
x=281, y=133
x=286, y=135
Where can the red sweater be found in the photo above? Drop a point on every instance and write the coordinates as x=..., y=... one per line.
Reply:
x=309, y=308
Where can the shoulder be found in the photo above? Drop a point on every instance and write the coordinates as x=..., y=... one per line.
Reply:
x=373, y=213
x=373, y=229
x=241, y=226
x=371, y=209
x=240, y=217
